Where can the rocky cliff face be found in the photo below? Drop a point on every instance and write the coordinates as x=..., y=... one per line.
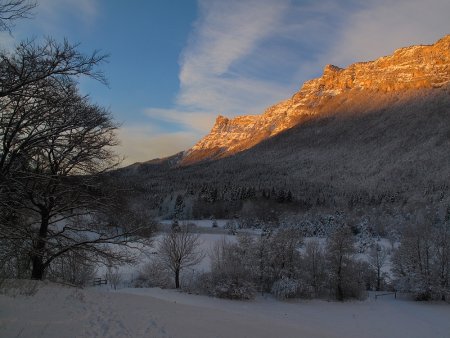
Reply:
x=407, y=68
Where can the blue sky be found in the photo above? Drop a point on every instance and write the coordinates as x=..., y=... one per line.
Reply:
x=175, y=65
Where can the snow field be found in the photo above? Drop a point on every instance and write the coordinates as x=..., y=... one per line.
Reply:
x=57, y=312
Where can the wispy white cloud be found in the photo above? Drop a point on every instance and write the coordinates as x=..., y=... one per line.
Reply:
x=52, y=13
x=225, y=34
x=82, y=8
x=385, y=25
x=196, y=121
x=51, y=18
x=245, y=55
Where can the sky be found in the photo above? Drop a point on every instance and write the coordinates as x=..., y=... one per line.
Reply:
x=174, y=65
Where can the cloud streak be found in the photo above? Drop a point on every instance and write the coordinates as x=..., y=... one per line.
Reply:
x=212, y=78
x=52, y=18
x=196, y=121
x=49, y=11
x=383, y=26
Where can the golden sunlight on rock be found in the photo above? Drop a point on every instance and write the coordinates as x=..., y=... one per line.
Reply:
x=410, y=68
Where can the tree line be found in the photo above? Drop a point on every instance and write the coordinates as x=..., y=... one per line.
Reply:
x=340, y=264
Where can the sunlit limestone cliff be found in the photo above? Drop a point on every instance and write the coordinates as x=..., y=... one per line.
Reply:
x=407, y=69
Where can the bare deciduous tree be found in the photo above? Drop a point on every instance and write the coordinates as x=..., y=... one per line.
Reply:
x=178, y=250
x=113, y=277
x=314, y=266
x=37, y=86
x=55, y=146
x=421, y=264
x=340, y=251
x=378, y=257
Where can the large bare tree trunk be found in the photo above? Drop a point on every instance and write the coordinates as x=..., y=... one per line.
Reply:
x=39, y=249
x=177, y=279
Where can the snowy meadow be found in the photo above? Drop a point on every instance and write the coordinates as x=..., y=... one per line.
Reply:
x=140, y=300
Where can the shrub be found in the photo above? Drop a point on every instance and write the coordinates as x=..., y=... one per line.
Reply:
x=285, y=288
x=73, y=268
x=153, y=274
x=233, y=289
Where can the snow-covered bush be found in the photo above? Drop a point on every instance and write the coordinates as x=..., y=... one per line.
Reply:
x=153, y=274
x=192, y=281
x=285, y=288
x=232, y=289
x=73, y=268
x=113, y=277
x=313, y=270
x=220, y=285
x=15, y=259
x=231, y=275
x=346, y=275
x=283, y=255
x=421, y=264
x=231, y=226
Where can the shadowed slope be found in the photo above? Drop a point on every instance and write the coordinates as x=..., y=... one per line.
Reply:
x=365, y=149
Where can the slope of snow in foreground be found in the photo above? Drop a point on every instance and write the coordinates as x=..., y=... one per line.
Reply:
x=58, y=311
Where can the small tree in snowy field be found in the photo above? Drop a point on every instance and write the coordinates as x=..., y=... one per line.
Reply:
x=231, y=269
x=313, y=267
x=179, y=250
x=421, y=264
x=283, y=252
x=113, y=276
x=412, y=261
x=261, y=257
x=285, y=288
x=442, y=259
x=340, y=251
x=378, y=257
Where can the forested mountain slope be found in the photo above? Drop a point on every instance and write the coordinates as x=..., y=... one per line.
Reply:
x=372, y=145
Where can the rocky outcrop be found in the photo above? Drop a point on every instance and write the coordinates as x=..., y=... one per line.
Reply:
x=425, y=66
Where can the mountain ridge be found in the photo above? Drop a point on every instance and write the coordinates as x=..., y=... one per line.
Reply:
x=408, y=68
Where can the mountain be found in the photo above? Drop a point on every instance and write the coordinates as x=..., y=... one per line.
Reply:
x=416, y=67
x=371, y=140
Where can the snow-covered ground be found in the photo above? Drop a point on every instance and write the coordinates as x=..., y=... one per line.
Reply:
x=59, y=311
x=56, y=312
